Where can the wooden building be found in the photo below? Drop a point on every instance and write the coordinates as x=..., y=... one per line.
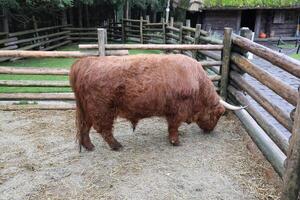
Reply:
x=273, y=18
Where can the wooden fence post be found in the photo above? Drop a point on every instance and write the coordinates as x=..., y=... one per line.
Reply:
x=123, y=31
x=225, y=62
x=188, y=24
x=102, y=38
x=172, y=21
x=291, y=177
x=141, y=30
x=197, y=39
x=164, y=31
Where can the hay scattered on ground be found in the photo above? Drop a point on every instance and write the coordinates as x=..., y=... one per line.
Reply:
x=39, y=159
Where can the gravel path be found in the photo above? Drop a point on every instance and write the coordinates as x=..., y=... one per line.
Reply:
x=40, y=160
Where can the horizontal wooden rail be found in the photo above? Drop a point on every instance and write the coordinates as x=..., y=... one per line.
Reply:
x=210, y=40
x=210, y=63
x=133, y=20
x=35, y=30
x=278, y=86
x=281, y=116
x=36, y=96
x=37, y=38
x=37, y=107
x=269, y=149
x=188, y=29
x=281, y=60
x=154, y=46
x=171, y=28
x=33, y=71
x=171, y=35
x=27, y=83
x=276, y=135
x=56, y=54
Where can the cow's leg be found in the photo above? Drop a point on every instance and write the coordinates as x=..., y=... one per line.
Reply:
x=84, y=137
x=105, y=128
x=173, y=125
x=83, y=128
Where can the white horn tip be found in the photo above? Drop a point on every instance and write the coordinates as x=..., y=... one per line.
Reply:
x=231, y=107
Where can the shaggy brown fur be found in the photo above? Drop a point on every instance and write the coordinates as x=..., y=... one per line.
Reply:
x=134, y=87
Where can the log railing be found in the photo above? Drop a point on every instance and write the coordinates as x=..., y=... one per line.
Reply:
x=282, y=152
x=47, y=38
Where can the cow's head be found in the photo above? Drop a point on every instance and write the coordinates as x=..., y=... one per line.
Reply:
x=208, y=121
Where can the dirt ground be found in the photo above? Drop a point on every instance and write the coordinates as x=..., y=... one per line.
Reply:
x=39, y=159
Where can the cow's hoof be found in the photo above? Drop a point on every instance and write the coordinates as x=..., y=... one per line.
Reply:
x=175, y=142
x=116, y=147
x=89, y=146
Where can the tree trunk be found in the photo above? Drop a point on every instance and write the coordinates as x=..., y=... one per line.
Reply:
x=5, y=20
x=87, y=16
x=80, y=15
x=64, y=18
x=71, y=16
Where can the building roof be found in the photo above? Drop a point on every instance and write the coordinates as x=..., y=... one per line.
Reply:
x=197, y=5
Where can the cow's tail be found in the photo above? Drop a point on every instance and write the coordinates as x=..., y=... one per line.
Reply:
x=80, y=116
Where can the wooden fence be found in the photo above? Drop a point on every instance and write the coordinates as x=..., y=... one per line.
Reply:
x=225, y=61
x=47, y=38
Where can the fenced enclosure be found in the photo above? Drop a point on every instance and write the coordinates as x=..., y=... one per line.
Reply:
x=224, y=60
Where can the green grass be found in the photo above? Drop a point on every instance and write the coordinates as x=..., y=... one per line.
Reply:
x=286, y=46
x=49, y=63
x=296, y=56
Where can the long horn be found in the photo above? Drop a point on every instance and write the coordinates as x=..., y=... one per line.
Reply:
x=231, y=107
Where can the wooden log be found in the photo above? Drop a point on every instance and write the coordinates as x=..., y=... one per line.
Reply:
x=132, y=31
x=225, y=62
x=188, y=28
x=25, y=83
x=276, y=135
x=291, y=179
x=33, y=71
x=37, y=107
x=153, y=29
x=37, y=96
x=278, y=86
x=57, y=54
x=154, y=47
x=154, y=24
x=57, y=45
x=82, y=29
x=141, y=30
x=84, y=34
x=211, y=40
x=137, y=27
x=123, y=31
x=8, y=40
x=211, y=55
x=171, y=28
x=101, y=41
x=164, y=31
x=258, y=96
x=197, y=39
x=281, y=60
x=173, y=36
x=134, y=20
x=269, y=149
x=180, y=33
x=210, y=63
x=33, y=30
x=153, y=35
x=36, y=38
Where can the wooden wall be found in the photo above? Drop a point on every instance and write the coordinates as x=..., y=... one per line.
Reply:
x=219, y=19
x=216, y=20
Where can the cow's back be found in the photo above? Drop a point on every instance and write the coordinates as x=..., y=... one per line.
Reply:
x=142, y=85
